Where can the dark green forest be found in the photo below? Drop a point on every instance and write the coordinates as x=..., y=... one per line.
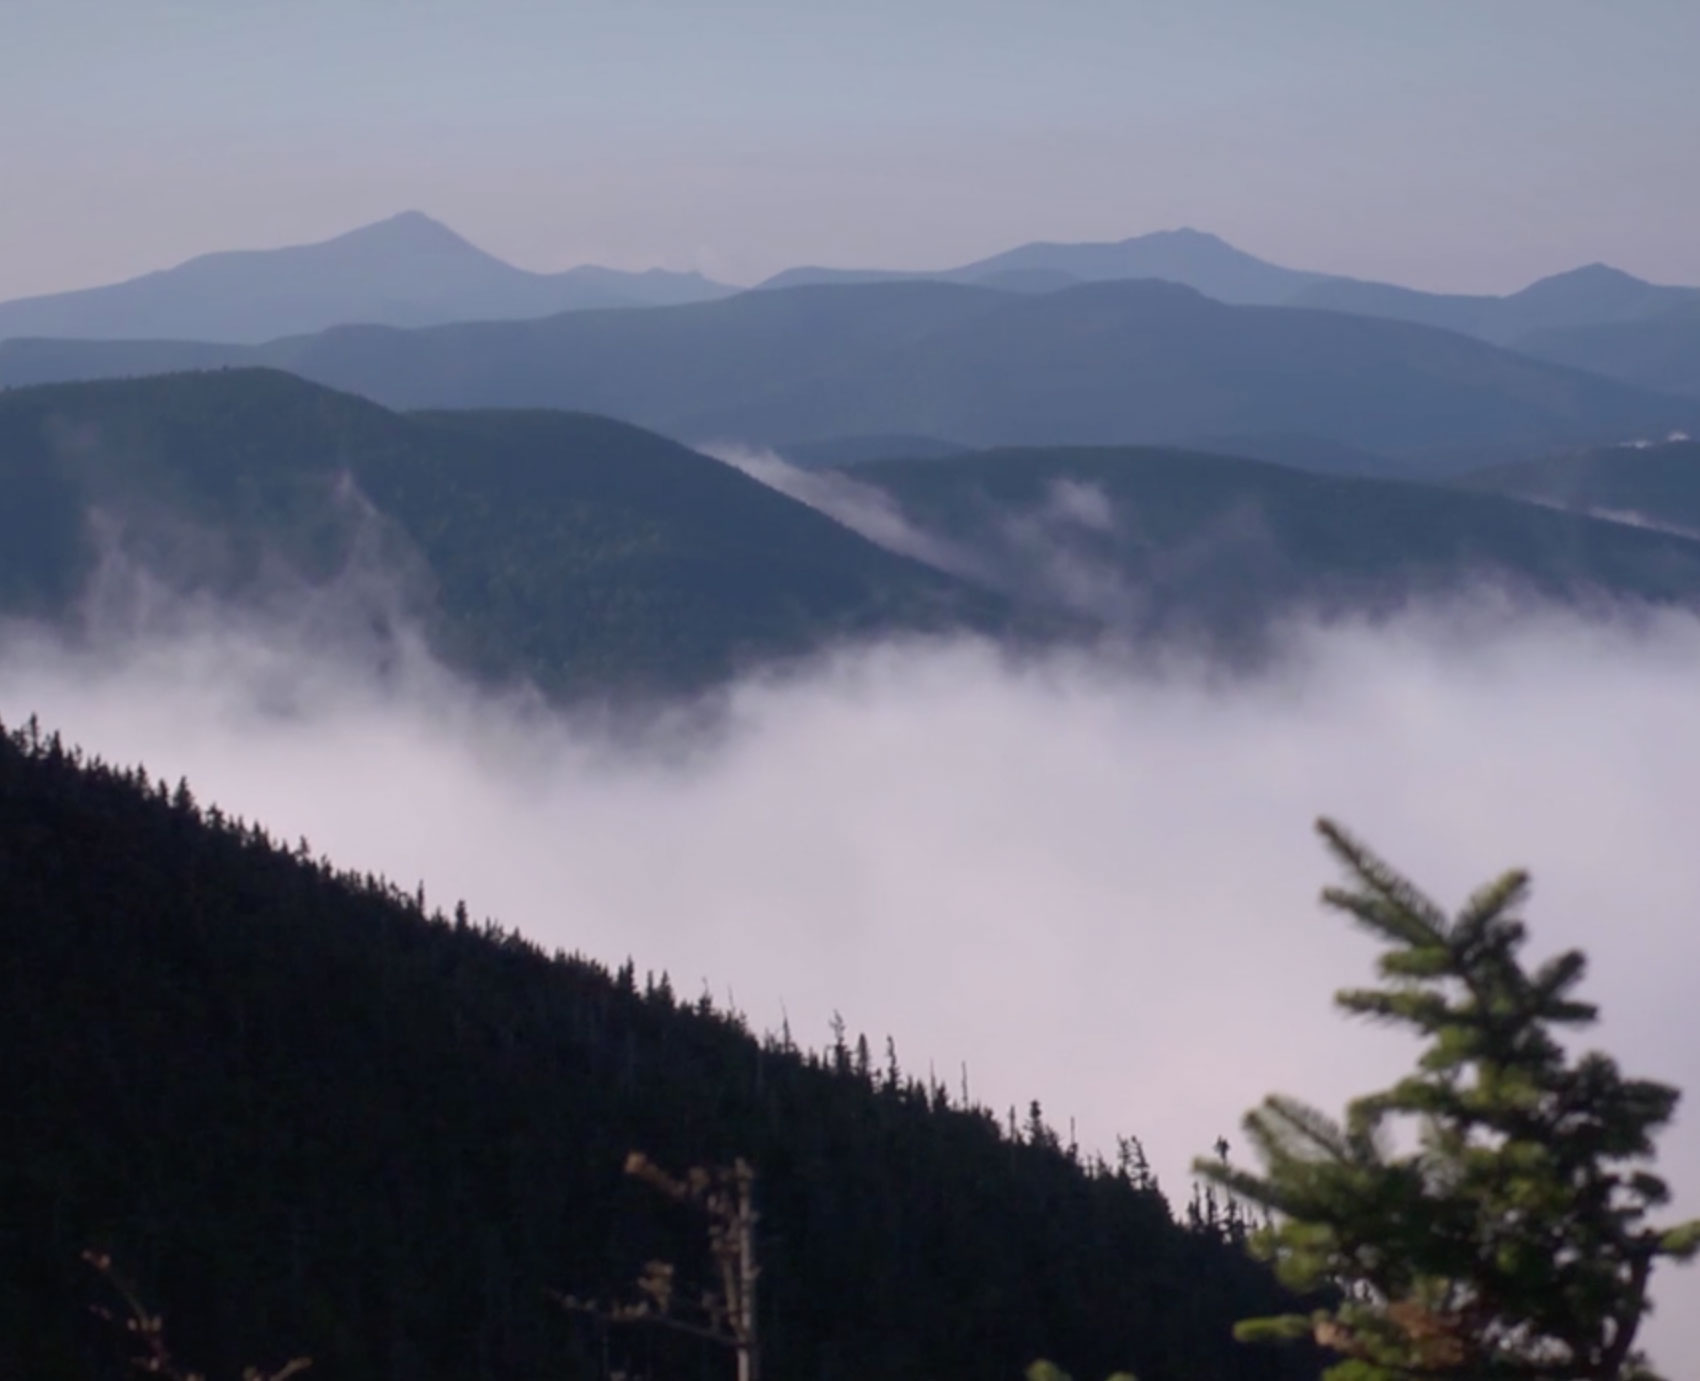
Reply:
x=1656, y=485
x=1218, y=545
x=309, y=1116
x=576, y=553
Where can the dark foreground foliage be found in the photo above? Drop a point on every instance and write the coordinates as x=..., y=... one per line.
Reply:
x=311, y=1119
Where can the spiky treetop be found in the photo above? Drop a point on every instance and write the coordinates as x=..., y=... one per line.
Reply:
x=1485, y=1216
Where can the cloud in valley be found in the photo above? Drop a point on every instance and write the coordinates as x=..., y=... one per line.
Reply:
x=863, y=508
x=1030, y=554
x=1091, y=881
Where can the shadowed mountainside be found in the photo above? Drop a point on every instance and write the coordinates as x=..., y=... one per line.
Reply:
x=312, y=1119
x=575, y=551
x=1660, y=352
x=594, y=559
x=1168, y=541
x=1649, y=486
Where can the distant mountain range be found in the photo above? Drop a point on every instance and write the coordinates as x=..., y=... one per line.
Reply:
x=1190, y=257
x=1596, y=317
x=1109, y=363
x=412, y=271
x=408, y=270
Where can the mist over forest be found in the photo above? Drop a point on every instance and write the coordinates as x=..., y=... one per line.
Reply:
x=1083, y=877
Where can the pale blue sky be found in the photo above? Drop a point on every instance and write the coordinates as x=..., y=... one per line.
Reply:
x=1461, y=144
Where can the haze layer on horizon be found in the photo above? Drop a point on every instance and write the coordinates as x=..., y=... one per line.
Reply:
x=1462, y=148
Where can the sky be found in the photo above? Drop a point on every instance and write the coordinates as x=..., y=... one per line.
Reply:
x=1446, y=145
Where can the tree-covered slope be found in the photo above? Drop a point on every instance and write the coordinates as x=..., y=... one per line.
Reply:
x=307, y=1118
x=1099, y=363
x=1181, y=540
x=1655, y=486
x=579, y=552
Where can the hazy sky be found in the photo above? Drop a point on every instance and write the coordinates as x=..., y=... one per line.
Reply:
x=1448, y=145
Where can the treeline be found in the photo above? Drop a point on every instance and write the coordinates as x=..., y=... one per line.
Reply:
x=308, y=1116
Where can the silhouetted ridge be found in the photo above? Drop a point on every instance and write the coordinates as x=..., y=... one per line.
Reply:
x=313, y=1118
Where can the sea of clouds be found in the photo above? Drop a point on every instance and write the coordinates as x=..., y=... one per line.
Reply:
x=1089, y=879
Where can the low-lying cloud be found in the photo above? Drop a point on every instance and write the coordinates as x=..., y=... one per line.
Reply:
x=1029, y=554
x=1091, y=881
x=865, y=509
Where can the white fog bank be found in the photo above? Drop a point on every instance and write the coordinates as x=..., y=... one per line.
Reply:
x=1095, y=885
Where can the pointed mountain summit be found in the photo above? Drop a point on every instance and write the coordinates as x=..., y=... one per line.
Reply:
x=410, y=232
x=406, y=270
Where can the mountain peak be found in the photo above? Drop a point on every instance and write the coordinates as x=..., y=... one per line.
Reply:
x=1595, y=275
x=1185, y=234
x=409, y=232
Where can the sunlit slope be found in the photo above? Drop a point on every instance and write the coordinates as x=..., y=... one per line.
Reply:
x=1101, y=363
x=576, y=551
x=1182, y=540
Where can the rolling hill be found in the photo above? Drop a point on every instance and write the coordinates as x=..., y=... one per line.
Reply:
x=1596, y=296
x=1655, y=487
x=1658, y=351
x=577, y=552
x=408, y=270
x=592, y=559
x=1216, y=547
x=1105, y=363
x=1186, y=256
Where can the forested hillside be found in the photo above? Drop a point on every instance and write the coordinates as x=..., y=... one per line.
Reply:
x=310, y=1118
x=589, y=558
x=1164, y=541
x=1646, y=486
x=578, y=553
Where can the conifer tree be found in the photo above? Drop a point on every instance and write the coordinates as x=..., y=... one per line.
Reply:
x=1485, y=1217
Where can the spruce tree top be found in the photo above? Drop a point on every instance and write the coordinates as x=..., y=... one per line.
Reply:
x=1486, y=1216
